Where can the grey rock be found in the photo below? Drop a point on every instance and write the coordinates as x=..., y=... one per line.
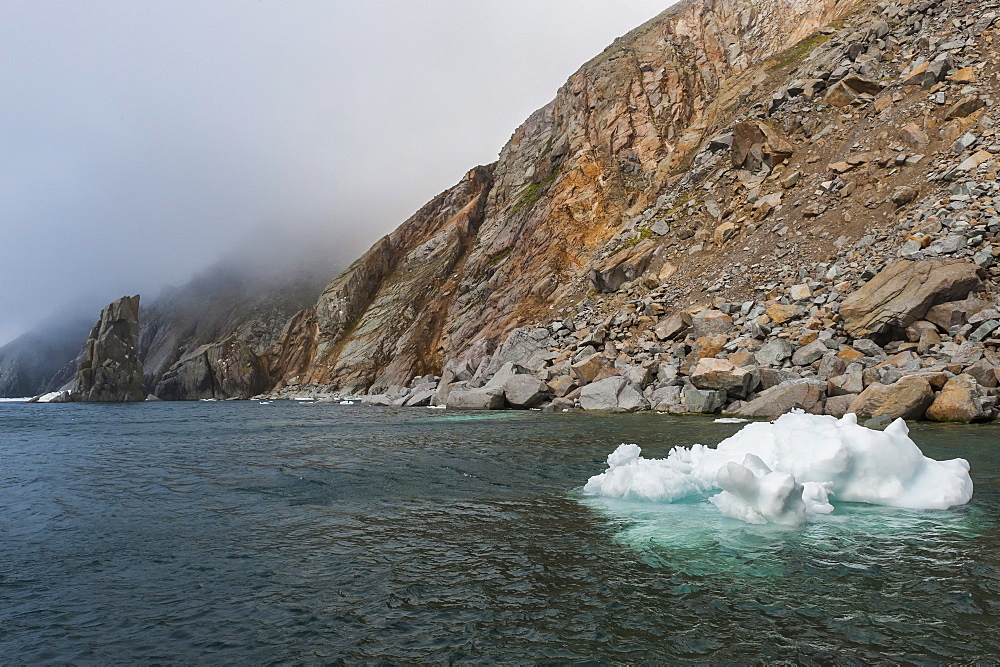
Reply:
x=484, y=398
x=525, y=391
x=774, y=352
x=869, y=348
x=802, y=394
x=224, y=370
x=704, y=401
x=809, y=353
x=984, y=330
x=613, y=394
x=666, y=399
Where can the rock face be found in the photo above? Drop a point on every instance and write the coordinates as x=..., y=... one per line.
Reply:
x=111, y=371
x=513, y=238
x=232, y=302
x=903, y=293
x=224, y=370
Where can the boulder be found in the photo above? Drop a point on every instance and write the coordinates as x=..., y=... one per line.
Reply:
x=709, y=322
x=774, y=352
x=525, y=391
x=484, y=398
x=722, y=375
x=704, y=401
x=666, y=399
x=961, y=400
x=903, y=292
x=838, y=406
x=421, y=397
x=807, y=354
x=772, y=377
x=781, y=313
x=851, y=382
x=561, y=385
x=965, y=107
x=560, y=405
x=954, y=313
x=670, y=327
x=908, y=398
x=984, y=372
x=756, y=146
x=110, y=371
x=586, y=370
x=802, y=394
x=527, y=347
x=613, y=394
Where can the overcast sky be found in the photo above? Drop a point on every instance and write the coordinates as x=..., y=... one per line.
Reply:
x=140, y=140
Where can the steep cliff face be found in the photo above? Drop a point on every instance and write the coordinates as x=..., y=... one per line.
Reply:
x=110, y=371
x=514, y=239
x=225, y=305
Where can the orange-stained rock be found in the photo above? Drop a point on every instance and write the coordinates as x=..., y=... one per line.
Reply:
x=961, y=400
x=781, y=313
x=908, y=398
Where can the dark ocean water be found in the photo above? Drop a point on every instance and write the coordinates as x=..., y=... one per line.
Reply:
x=240, y=532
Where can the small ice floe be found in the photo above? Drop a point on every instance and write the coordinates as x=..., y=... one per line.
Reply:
x=783, y=471
x=265, y=402
x=304, y=399
x=437, y=407
x=730, y=420
x=208, y=400
x=49, y=397
x=346, y=403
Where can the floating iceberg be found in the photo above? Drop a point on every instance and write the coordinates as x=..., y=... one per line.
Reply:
x=782, y=471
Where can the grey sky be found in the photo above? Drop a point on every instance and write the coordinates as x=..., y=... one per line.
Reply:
x=139, y=140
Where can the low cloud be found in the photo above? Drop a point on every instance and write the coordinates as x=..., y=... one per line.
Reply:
x=142, y=141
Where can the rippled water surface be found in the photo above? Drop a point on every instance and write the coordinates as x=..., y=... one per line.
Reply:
x=244, y=532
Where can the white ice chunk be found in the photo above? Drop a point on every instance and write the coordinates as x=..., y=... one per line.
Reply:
x=812, y=457
x=753, y=493
x=631, y=476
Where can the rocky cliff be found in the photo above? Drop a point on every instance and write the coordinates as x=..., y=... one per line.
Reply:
x=110, y=371
x=708, y=218
x=517, y=239
x=236, y=311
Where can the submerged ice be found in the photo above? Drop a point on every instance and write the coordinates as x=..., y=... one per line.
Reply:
x=782, y=471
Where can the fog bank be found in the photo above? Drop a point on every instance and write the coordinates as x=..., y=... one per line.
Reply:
x=141, y=141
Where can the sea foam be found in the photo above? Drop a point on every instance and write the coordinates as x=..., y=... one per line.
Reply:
x=782, y=471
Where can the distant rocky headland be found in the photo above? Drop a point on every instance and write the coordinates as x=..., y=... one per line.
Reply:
x=737, y=208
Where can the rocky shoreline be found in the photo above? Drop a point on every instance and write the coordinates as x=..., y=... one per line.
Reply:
x=936, y=361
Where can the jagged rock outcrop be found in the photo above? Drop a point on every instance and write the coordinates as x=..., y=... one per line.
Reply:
x=229, y=369
x=516, y=237
x=110, y=371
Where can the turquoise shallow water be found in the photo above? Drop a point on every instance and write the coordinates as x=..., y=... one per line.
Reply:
x=230, y=532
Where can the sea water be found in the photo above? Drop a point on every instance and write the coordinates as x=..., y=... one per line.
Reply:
x=247, y=532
